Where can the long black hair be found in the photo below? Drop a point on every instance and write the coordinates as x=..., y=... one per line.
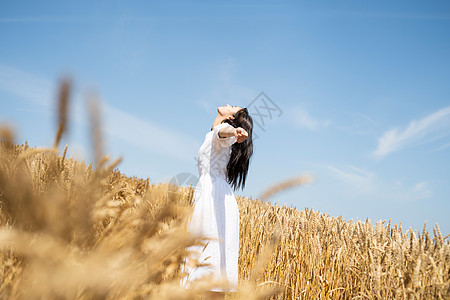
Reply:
x=237, y=166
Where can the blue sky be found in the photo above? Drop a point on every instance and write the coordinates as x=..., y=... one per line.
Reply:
x=363, y=89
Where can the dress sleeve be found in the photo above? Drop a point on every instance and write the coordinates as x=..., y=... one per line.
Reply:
x=222, y=142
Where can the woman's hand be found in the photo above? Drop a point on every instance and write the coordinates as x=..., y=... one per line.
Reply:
x=240, y=134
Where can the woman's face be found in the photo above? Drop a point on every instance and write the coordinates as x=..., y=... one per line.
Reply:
x=228, y=110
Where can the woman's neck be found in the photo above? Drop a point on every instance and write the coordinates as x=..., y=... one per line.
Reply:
x=219, y=119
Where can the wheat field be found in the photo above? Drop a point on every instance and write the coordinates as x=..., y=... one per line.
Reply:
x=74, y=231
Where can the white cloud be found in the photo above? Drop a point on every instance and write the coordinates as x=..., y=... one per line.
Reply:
x=444, y=147
x=363, y=184
x=356, y=124
x=208, y=107
x=430, y=128
x=40, y=20
x=67, y=19
x=119, y=124
x=401, y=193
x=225, y=90
x=422, y=190
x=385, y=15
x=31, y=88
x=304, y=120
x=356, y=181
x=148, y=136
x=348, y=182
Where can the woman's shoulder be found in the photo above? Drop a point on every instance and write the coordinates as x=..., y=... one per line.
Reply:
x=221, y=125
x=222, y=142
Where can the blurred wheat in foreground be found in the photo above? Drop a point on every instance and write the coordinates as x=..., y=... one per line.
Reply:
x=71, y=231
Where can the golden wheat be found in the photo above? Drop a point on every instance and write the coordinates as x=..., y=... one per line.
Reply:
x=71, y=231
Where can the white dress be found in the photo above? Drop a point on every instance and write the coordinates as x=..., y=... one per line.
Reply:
x=216, y=214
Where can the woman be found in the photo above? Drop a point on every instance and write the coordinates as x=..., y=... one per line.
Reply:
x=223, y=161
